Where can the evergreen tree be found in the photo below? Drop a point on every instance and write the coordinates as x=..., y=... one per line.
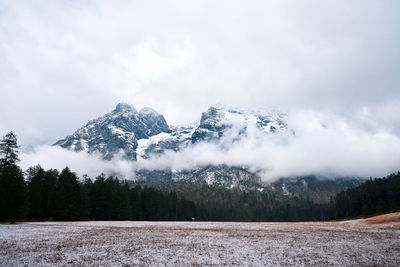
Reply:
x=36, y=192
x=125, y=204
x=9, y=150
x=41, y=186
x=68, y=202
x=85, y=202
x=13, y=198
x=100, y=199
x=49, y=192
x=135, y=203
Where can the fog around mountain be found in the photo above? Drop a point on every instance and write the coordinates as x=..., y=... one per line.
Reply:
x=332, y=67
x=311, y=143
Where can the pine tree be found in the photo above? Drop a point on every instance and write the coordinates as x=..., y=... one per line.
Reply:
x=9, y=150
x=41, y=187
x=13, y=197
x=86, y=187
x=67, y=204
x=125, y=205
x=50, y=185
x=36, y=192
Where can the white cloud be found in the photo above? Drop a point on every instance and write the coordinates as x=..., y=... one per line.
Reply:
x=54, y=157
x=145, y=61
x=323, y=144
x=63, y=63
x=71, y=61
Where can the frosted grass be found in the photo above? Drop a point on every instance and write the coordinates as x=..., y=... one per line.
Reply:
x=199, y=243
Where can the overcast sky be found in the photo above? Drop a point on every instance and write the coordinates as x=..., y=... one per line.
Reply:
x=63, y=63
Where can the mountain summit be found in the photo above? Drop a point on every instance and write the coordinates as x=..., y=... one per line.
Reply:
x=124, y=107
x=220, y=120
x=117, y=131
x=138, y=135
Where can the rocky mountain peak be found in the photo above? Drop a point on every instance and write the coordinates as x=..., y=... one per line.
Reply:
x=117, y=131
x=219, y=119
x=124, y=107
x=141, y=134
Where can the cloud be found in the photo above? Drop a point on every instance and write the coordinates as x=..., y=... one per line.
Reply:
x=63, y=63
x=323, y=144
x=54, y=157
x=144, y=61
x=71, y=61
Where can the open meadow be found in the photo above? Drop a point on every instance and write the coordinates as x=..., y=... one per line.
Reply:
x=364, y=242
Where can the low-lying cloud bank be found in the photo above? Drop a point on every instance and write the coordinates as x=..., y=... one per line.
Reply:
x=317, y=143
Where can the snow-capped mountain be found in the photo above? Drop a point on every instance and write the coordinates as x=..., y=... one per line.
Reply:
x=139, y=135
x=219, y=121
x=144, y=134
x=117, y=131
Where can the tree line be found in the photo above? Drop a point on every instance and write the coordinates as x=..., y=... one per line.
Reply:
x=53, y=195
x=62, y=196
x=222, y=204
x=375, y=196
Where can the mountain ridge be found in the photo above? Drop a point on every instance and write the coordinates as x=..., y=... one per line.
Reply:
x=141, y=135
x=125, y=127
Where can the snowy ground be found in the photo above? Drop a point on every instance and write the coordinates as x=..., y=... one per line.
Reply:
x=200, y=244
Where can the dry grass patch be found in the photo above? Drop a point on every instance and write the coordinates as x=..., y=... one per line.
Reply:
x=385, y=218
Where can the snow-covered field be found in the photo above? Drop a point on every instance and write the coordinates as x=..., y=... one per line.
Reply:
x=200, y=243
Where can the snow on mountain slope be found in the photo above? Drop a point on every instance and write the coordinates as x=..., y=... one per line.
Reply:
x=178, y=138
x=232, y=123
x=139, y=135
x=117, y=131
